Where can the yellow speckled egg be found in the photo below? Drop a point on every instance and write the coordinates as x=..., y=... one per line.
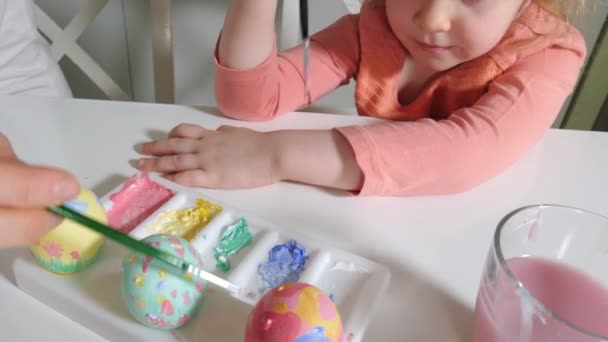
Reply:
x=70, y=247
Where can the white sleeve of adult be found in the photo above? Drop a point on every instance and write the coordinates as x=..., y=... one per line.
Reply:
x=26, y=66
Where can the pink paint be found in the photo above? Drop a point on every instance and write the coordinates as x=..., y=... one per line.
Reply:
x=138, y=199
x=274, y=328
x=177, y=247
x=175, y=335
x=167, y=308
x=183, y=320
x=173, y=293
x=146, y=263
x=186, y=298
x=291, y=301
x=53, y=249
x=327, y=308
x=567, y=292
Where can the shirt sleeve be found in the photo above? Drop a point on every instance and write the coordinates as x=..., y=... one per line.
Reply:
x=26, y=66
x=429, y=157
x=277, y=85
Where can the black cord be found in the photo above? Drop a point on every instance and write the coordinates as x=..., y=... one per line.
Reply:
x=304, y=18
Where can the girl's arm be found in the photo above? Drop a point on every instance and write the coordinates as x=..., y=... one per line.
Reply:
x=255, y=82
x=425, y=157
x=248, y=35
x=474, y=144
x=437, y=157
x=319, y=157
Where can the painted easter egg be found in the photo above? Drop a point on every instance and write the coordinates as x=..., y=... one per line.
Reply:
x=294, y=312
x=156, y=296
x=70, y=247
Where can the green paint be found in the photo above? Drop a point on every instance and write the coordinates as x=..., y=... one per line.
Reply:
x=234, y=238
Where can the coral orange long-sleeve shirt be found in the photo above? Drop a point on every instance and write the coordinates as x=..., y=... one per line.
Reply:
x=468, y=124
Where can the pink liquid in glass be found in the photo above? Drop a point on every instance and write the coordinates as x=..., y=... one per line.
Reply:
x=502, y=315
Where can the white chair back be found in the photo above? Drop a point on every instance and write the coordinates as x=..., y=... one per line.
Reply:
x=64, y=43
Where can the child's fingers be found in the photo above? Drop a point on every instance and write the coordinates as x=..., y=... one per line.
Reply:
x=20, y=227
x=172, y=163
x=188, y=131
x=24, y=186
x=168, y=146
x=192, y=178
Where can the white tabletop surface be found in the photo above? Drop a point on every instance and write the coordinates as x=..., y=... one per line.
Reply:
x=435, y=246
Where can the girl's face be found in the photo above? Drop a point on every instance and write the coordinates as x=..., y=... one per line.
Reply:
x=440, y=34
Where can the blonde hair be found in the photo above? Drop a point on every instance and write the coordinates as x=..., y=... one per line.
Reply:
x=566, y=9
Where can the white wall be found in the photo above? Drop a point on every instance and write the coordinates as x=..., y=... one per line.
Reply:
x=590, y=23
x=124, y=50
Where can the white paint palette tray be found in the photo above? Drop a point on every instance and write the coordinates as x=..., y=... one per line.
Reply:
x=92, y=297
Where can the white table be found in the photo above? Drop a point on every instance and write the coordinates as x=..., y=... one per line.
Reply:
x=435, y=247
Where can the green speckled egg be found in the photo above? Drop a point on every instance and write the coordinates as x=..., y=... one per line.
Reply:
x=156, y=296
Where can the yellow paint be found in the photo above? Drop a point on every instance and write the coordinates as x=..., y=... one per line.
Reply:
x=175, y=245
x=139, y=280
x=162, y=274
x=308, y=309
x=132, y=259
x=188, y=276
x=281, y=307
x=160, y=300
x=185, y=223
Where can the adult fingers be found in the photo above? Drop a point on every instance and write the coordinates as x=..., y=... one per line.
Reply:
x=20, y=227
x=27, y=186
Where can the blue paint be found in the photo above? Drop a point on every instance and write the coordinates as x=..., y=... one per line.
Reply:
x=77, y=205
x=284, y=265
x=317, y=334
x=161, y=285
x=333, y=299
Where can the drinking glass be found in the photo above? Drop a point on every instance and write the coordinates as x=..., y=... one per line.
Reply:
x=545, y=278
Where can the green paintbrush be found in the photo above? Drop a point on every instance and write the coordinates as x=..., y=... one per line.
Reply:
x=138, y=246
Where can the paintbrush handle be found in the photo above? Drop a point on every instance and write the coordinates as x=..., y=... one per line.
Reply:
x=304, y=18
x=143, y=248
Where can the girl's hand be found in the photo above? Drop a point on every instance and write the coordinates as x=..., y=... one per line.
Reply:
x=232, y=157
x=227, y=158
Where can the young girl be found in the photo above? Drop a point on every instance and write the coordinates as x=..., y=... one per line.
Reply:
x=467, y=87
